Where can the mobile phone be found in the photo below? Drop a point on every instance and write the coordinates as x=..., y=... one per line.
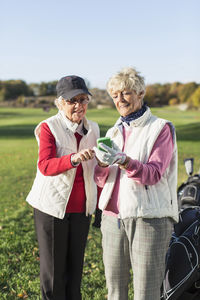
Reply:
x=104, y=140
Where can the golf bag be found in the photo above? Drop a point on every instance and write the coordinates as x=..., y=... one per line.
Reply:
x=189, y=192
x=182, y=272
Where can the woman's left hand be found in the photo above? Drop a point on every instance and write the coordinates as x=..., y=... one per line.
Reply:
x=83, y=155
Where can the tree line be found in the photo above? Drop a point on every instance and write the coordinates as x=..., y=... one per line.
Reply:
x=156, y=94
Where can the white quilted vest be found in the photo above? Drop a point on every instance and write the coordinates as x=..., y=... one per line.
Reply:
x=50, y=194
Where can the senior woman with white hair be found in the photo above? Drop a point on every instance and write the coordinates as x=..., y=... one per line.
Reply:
x=138, y=176
x=64, y=193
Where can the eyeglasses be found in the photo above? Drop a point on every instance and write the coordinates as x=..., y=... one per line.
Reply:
x=74, y=101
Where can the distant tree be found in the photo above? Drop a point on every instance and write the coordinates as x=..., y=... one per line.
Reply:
x=43, y=89
x=47, y=88
x=173, y=90
x=100, y=97
x=2, y=94
x=153, y=95
x=194, y=99
x=174, y=87
x=156, y=94
x=11, y=89
x=186, y=90
x=163, y=93
x=35, y=88
x=150, y=95
x=173, y=101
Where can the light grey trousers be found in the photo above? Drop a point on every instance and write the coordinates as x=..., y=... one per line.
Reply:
x=140, y=244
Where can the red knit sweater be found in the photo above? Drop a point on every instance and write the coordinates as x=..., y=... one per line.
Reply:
x=50, y=165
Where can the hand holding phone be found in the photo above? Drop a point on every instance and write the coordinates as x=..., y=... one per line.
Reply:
x=110, y=154
x=105, y=140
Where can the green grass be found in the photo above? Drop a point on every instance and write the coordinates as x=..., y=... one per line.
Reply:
x=19, y=264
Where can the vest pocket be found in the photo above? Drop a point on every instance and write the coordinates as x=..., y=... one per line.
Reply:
x=152, y=199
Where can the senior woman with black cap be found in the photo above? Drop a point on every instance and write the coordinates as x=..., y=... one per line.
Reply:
x=63, y=194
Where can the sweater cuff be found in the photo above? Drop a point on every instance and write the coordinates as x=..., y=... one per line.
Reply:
x=133, y=165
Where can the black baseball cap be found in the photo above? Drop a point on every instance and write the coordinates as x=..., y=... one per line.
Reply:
x=71, y=86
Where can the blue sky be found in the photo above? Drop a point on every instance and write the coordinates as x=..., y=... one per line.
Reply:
x=44, y=40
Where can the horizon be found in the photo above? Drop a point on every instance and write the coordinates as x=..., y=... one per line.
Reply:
x=95, y=87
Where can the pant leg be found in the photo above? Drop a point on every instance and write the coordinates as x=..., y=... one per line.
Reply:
x=78, y=232
x=148, y=246
x=52, y=235
x=97, y=219
x=116, y=258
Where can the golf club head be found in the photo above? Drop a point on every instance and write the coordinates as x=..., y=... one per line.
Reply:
x=189, y=162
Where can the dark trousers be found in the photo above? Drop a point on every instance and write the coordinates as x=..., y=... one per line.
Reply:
x=61, y=247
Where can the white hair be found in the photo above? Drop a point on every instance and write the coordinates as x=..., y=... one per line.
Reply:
x=126, y=79
x=59, y=102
